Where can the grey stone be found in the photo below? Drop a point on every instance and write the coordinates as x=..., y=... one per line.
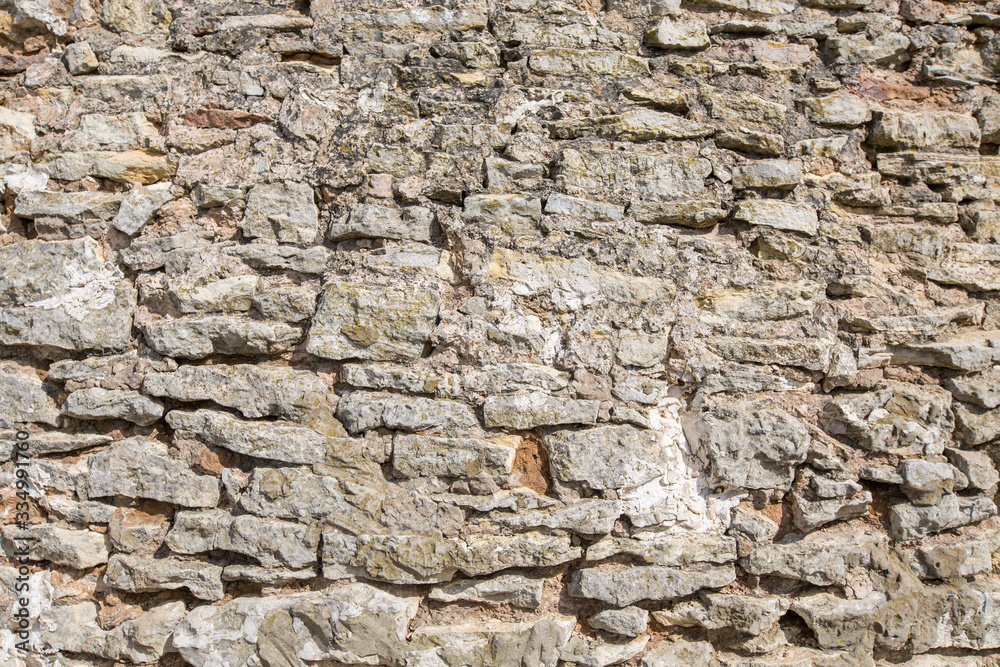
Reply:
x=717, y=611
x=156, y=252
x=973, y=351
x=975, y=426
x=926, y=482
x=310, y=261
x=78, y=549
x=80, y=58
x=669, y=175
x=199, y=336
x=770, y=174
x=630, y=621
x=838, y=110
x=24, y=397
x=886, y=50
x=697, y=214
x=589, y=516
x=276, y=441
x=673, y=34
x=51, y=442
x=138, y=208
x=606, y=457
x=753, y=446
x=977, y=467
x=140, y=468
x=428, y=456
x=513, y=589
x=778, y=215
x=283, y=212
x=140, y=574
x=908, y=522
x=97, y=403
x=981, y=389
x=822, y=558
x=363, y=410
x=68, y=205
x=931, y=129
x=272, y=542
x=288, y=303
x=528, y=411
x=535, y=643
x=512, y=215
x=63, y=294
x=347, y=625
x=680, y=652
x=577, y=62
x=368, y=322
x=674, y=551
x=632, y=584
x=633, y=125
x=412, y=223
x=403, y=559
x=897, y=418
x=133, y=531
x=840, y=623
x=255, y=390
x=810, y=514
x=146, y=638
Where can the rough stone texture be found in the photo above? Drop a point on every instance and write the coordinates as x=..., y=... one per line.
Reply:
x=541, y=317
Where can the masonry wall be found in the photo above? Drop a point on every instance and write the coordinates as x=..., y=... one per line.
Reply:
x=518, y=334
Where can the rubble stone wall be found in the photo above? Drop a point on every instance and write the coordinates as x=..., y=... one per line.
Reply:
x=523, y=333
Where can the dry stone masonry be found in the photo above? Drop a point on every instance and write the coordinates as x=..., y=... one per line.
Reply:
x=499, y=333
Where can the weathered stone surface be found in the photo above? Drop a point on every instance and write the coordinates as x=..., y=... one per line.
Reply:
x=573, y=62
x=283, y=212
x=24, y=398
x=982, y=390
x=937, y=129
x=838, y=110
x=428, y=456
x=778, y=215
x=78, y=549
x=606, y=457
x=413, y=559
x=378, y=323
x=271, y=542
x=638, y=125
x=668, y=175
x=200, y=336
x=907, y=522
x=254, y=390
x=673, y=34
x=412, y=223
x=633, y=584
x=822, y=558
x=63, y=294
x=138, y=208
x=898, y=418
x=97, y=403
x=277, y=441
x=589, y=516
x=771, y=174
x=751, y=446
x=140, y=468
x=527, y=411
x=717, y=611
x=138, y=574
x=362, y=410
x=69, y=205
x=630, y=621
x=513, y=589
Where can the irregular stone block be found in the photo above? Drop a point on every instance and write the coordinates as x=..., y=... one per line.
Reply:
x=630, y=621
x=897, y=418
x=822, y=558
x=412, y=223
x=283, y=212
x=673, y=34
x=271, y=542
x=310, y=261
x=668, y=550
x=574, y=62
x=513, y=589
x=922, y=130
x=352, y=624
x=633, y=125
x=811, y=354
x=886, y=50
x=746, y=110
x=363, y=411
x=144, y=166
x=137, y=18
x=527, y=411
x=752, y=446
x=63, y=294
x=633, y=584
x=78, y=549
x=512, y=215
x=717, y=611
x=838, y=110
x=138, y=208
x=277, y=441
x=542, y=642
x=778, y=215
x=669, y=175
x=606, y=457
x=771, y=174
x=909, y=522
x=140, y=468
x=145, y=639
x=589, y=516
x=368, y=322
x=200, y=336
x=97, y=403
x=24, y=397
x=72, y=206
x=139, y=574
x=413, y=559
x=427, y=456
x=255, y=390
x=696, y=214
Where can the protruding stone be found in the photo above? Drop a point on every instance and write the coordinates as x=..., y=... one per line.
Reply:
x=673, y=34
x=199, y=336
x=633, y=584
x=527, y=411
x=283, y=212
x=778, y=215
x=78, y=549
x=513, y=589
x=427, y=456
x=363, y=410
x=606, y=457
x=368, y=322
x=97, y=403
x=140, y=574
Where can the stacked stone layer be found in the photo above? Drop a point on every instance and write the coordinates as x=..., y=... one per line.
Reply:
x=516, y=334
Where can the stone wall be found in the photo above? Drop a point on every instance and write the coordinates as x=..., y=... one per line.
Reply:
x=519, y=334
